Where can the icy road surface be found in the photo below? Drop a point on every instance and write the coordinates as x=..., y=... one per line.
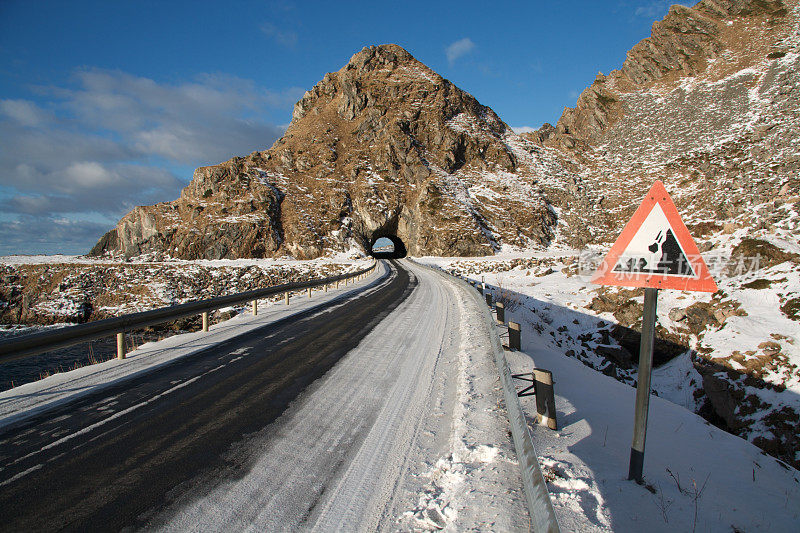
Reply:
x=377, y=410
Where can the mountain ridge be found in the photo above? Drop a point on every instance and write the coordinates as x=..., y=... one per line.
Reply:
x=386, y=146
x=382, y=146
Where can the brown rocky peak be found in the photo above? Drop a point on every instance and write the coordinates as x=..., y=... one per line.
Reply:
x=382, y=146
x=390, y=95
x=386, y=62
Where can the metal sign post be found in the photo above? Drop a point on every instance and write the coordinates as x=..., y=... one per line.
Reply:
x=654, y=251
x=643, y=385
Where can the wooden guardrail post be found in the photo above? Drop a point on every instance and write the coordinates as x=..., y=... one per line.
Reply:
x=545, y=398
x=501, y=312
x=514, y=337
x=309, y=292
x=326, y=287
x=205, y=320
x=287, y=297
x=120, y=345
x=488, y=297
x=255, y=307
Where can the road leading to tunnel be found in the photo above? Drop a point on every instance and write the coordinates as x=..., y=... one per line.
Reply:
x=106, y=459
x=329, y=420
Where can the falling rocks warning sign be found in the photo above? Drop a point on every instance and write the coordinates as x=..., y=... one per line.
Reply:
x=655, y=250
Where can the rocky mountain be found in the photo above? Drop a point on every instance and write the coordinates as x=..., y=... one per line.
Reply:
x=383, y=146
x=708, y=104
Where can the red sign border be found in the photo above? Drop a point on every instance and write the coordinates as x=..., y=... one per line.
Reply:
x=703, y=282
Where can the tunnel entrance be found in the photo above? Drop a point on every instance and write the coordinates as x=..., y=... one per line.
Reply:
x=384, y=246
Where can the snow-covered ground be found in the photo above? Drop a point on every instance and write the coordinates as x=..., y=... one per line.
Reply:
x=43, y=290
x=347, y=256
x=698, y=477
x=735, y=485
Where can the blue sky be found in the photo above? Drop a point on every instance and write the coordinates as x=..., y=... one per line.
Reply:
x=107, y=105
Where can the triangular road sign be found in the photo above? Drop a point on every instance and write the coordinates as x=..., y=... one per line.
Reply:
x=655, y=250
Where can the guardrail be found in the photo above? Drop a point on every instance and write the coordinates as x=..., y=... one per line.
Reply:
x=26, y=345
x=540, y=508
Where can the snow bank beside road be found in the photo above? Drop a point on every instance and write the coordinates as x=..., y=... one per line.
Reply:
x=690, y=466
x=734, y=356
x=586, y=461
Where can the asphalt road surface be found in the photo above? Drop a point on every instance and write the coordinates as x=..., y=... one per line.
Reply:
x=325, y=421
x=113, y=475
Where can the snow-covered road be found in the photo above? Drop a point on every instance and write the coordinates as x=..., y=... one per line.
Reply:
x=406, y=431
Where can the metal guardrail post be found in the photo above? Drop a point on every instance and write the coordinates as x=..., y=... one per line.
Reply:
x=514, y=336
x=545, y=397
x=501, y=312
x=120, y=345
x=205, y=320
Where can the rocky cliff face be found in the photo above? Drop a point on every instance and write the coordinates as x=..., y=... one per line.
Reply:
x=709, y=104
x=383, y=146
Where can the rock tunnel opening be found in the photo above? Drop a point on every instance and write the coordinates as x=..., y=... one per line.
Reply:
x=387, y=246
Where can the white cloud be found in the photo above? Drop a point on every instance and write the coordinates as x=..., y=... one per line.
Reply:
x=90, y=174
x=204, y=121
x=24, y=112
x=459, y=49
x=101, y=144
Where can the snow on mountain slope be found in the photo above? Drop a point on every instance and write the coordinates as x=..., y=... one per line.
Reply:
x=709, y=105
